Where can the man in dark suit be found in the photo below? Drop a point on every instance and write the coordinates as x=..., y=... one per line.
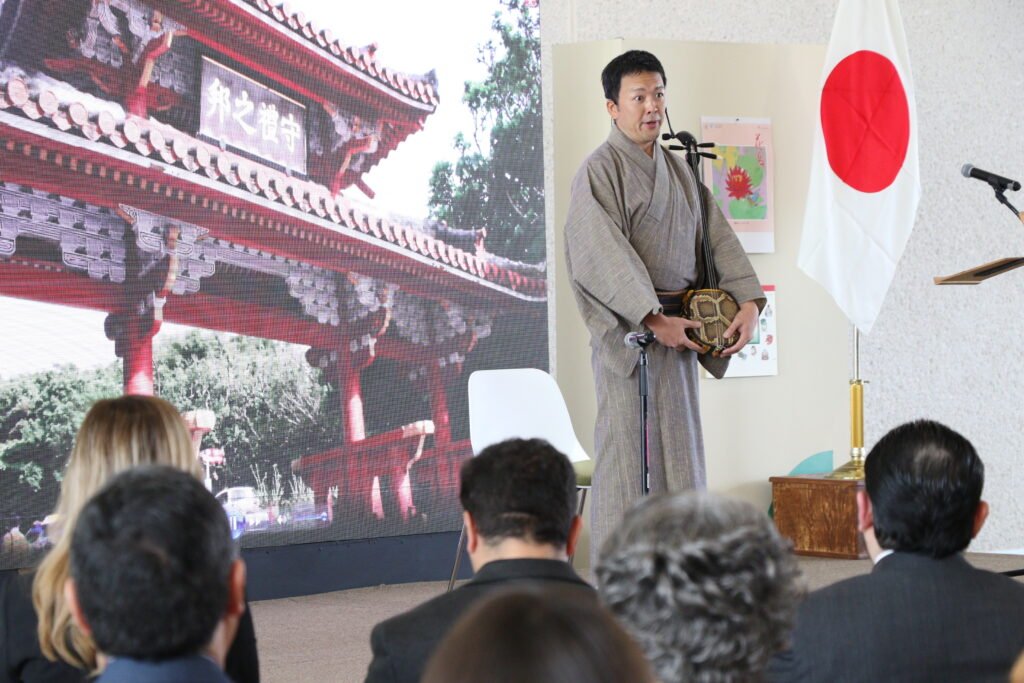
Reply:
x=519, y=508
x=923, y=613
x=155, y=579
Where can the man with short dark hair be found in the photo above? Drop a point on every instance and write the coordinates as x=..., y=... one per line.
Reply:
x=519, y=508
x=155, y=579
x=633, y=246
x=923, y=613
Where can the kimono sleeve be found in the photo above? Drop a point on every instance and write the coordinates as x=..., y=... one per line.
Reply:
x=602, y=263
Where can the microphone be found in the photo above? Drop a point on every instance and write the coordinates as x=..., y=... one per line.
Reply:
x=997, y=181
x=639, y=340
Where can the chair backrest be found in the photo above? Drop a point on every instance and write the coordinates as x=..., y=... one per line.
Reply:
x=523, y=403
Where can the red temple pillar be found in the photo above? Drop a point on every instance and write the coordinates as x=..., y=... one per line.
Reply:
x=446, y=467
x=354, y=491
x=343, y=370
x=350, y=389
x=439, y=408
x=133, y=344
x=138, y=366
x=148, y=283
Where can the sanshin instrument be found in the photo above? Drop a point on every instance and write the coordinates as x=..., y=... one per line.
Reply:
x=712, y=307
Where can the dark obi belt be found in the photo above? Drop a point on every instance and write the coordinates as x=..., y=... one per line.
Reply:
x=671, y=302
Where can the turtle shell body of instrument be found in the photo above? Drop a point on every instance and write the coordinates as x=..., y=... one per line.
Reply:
x=715, y=310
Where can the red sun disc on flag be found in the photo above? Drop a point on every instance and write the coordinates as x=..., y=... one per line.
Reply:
x=865, y=120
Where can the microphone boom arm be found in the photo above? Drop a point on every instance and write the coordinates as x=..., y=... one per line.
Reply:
x=1001, y=196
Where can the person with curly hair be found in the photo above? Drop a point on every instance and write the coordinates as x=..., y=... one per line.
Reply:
x=704, y=583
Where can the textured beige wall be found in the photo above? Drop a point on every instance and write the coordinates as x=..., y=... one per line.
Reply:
x=951, y=354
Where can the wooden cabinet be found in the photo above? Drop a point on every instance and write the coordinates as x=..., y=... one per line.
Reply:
x=819, y=515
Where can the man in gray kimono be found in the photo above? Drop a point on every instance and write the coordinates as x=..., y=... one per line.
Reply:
x=632, y=231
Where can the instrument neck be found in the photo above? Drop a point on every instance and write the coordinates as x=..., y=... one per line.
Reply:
x=707, y=260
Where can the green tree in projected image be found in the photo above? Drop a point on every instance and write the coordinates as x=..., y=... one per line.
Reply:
x=501, y=188
x=39, y=416
x=270, y=405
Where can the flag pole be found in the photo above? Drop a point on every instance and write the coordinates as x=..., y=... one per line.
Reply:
x=854, y=469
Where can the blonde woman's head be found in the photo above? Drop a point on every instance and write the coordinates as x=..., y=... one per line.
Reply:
x=116, y=435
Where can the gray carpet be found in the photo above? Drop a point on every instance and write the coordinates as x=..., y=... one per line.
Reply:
x=325, y=638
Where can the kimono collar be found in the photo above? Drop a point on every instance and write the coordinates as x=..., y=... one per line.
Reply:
x=633, y=151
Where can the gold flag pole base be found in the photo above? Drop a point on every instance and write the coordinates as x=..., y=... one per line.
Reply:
x=852, y=470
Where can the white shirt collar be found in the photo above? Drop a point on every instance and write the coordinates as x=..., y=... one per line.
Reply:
x=882, y=555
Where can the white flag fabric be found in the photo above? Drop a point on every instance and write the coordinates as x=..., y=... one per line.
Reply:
x=865, y=182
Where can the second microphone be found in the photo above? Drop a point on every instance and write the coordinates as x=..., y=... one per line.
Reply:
x=639, y=340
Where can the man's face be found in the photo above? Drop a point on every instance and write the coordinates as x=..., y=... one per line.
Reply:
x=640, y=108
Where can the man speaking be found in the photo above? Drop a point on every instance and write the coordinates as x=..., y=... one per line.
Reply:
x=633, y=231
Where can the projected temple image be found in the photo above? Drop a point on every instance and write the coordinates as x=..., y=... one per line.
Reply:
x=304, y=247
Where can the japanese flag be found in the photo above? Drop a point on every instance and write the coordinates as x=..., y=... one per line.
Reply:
x=865, y=182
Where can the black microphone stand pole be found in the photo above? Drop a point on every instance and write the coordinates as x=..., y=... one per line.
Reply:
x=640, y=341
x=645, y=466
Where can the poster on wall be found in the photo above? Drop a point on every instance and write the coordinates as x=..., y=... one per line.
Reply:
x=741, y=178
x=301, y=224
x=760, y=357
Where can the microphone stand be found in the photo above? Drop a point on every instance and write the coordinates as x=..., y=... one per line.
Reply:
x=645, y=467
x=1001, y=196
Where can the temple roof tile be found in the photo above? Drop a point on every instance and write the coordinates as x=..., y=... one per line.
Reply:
x=239, y=17
x=153, y=139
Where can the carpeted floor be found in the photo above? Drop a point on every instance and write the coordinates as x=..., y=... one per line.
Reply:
x=325, y=638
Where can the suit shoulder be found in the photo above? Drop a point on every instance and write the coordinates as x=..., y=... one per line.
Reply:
x=851, y=585
x=1011, y=587
x=825, y=599
x=409, y=624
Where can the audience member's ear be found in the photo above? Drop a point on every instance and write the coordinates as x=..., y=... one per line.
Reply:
x=575, y=529
x=980, y=515
x=227, y=628
x=71, y=596
x=236, y=588
x=865, y=515
x=472, y=533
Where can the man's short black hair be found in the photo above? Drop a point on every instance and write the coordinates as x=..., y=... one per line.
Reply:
x=627, y=64
x=520, y=488
x=151, y=556
x=924, y=481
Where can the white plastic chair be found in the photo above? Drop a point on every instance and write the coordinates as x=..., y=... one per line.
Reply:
x=521, y=403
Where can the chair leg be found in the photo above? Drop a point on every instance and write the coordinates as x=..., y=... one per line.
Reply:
x=458, y=558
x=579, y=511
